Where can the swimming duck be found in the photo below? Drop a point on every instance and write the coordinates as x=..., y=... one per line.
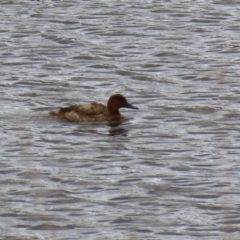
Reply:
x=94, y=112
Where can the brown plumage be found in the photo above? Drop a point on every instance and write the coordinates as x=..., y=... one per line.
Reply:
x=94, y=112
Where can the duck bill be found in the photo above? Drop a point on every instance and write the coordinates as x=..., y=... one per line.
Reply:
x=128, y=105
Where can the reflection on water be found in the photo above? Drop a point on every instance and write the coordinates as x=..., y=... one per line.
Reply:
x=116, y=128
x=170, y=170
x=118, y=131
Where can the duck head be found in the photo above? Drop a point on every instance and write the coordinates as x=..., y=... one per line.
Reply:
x=117, y=101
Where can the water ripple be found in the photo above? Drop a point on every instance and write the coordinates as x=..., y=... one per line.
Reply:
x=170, y=171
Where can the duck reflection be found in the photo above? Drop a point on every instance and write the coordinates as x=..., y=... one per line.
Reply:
x=118, y=131
x=115, y=128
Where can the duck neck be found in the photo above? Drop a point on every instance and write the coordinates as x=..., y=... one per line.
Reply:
x=113, y=109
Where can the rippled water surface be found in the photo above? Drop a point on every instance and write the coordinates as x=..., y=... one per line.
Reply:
x=171, y=170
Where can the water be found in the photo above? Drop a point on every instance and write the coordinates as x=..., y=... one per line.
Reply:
x=171, y=170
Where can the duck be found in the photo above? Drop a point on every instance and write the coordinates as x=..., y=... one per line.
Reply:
x=94, y=112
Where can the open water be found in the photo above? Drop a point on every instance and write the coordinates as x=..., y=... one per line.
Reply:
x=171, y=171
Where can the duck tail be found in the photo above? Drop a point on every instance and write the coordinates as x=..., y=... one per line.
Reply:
x=53, y=113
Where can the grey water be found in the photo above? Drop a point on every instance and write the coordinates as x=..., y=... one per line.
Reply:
x=170, y=171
